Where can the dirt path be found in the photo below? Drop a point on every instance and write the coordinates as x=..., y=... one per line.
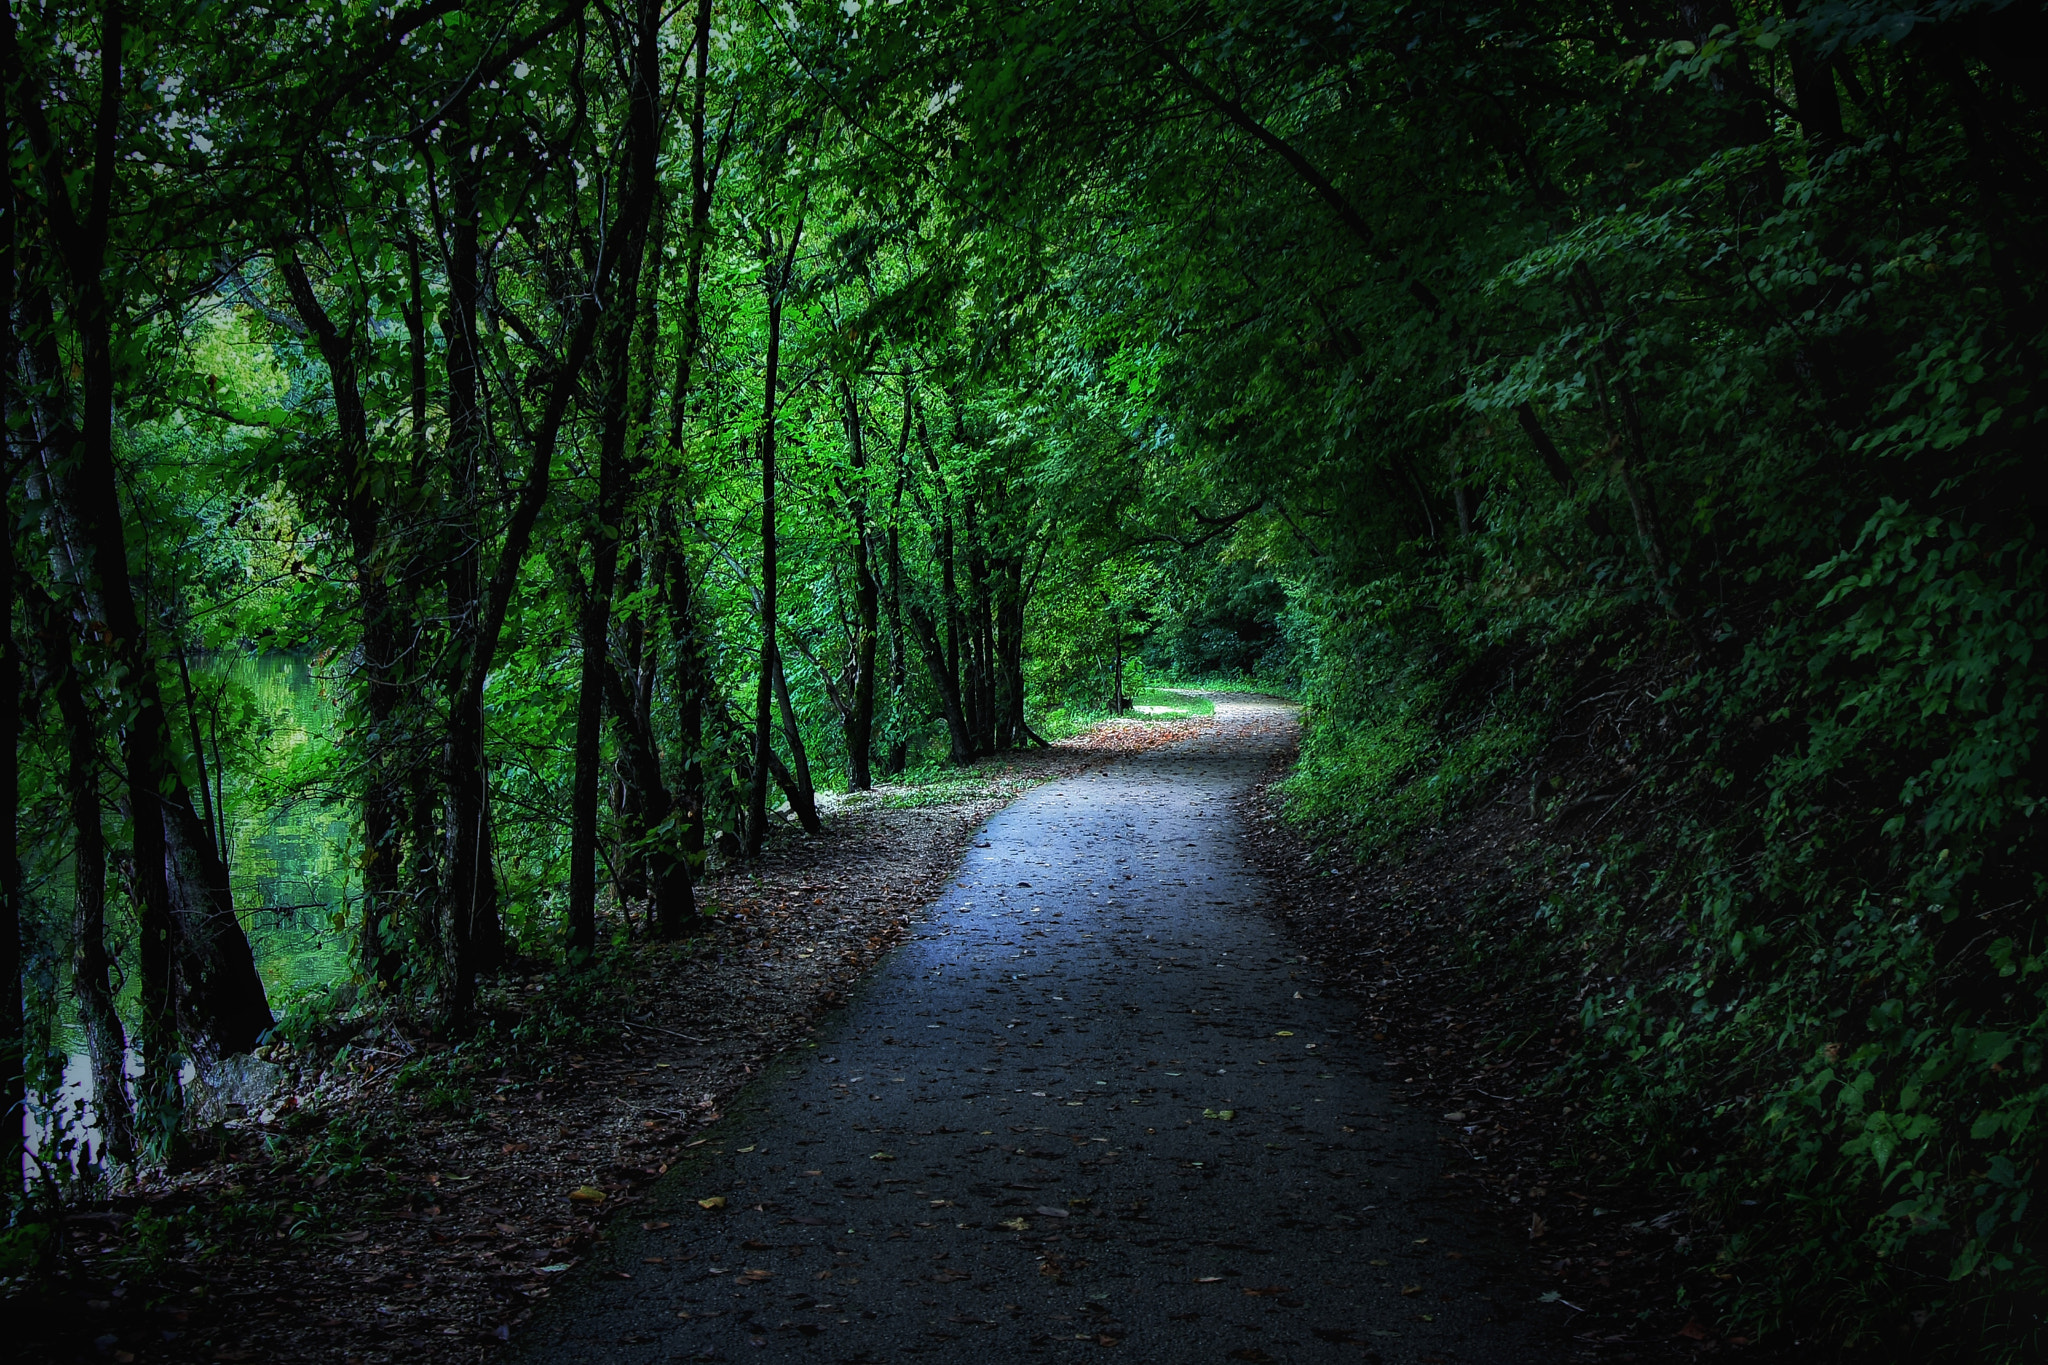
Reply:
x=1094, y=1101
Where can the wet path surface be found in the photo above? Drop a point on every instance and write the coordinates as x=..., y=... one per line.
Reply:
x=1094, y=1108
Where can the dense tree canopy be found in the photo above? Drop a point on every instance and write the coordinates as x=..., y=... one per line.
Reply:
x=647, y=418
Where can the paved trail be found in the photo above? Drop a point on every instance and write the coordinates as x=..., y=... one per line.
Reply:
x=1012, y=1145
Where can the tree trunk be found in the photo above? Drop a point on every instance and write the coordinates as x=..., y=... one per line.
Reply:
x=860, y=716
x=960, y=741
x=804, y=801
x=690, y=684
x=945, y=663
x=199, y=975
x=91, y=986
x=419, y=878
x=615, y=365
x=692, y=678
x=468, y=888
x=382, y=799
x=899, y=660
x=1010, y=648
x=13, y=1078
x=757, y=792
x=764, y=684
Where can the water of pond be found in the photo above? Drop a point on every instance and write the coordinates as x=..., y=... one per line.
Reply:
x=291, y=849
x=291, y=852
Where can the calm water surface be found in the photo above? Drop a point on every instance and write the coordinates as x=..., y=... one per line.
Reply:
x=291, y=850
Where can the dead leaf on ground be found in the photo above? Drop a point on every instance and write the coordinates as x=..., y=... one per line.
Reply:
x=716, y=1201
x=587, y=1194
x=1267, y=1291
x=756, y=1276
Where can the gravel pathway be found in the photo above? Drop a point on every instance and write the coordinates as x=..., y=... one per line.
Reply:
x=1094, y=1107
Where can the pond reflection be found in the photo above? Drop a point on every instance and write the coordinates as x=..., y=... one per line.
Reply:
x=291, y=848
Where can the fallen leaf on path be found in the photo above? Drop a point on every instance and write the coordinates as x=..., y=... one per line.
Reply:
x=883, y=1156
x=1285, y=1033
x=587, y=1194
x=1537, y=1227
x=1267, y=1291
x=1210, y=1279
x=1222, y=1115
x=716, y=1201
x=756, y=1276
x=354, y=1237
x=1015, y=1225
x=1693, y=1330
x=1046, y=1211
x=1409, y=1290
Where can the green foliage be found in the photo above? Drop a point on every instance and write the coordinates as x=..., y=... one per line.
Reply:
x=1624, y=415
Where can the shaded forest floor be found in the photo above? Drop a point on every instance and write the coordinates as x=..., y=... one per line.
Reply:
x=405, y=1198
x=1477, y=1048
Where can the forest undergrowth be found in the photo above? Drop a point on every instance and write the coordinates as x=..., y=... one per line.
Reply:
x=398, y=1195
x=1742, y=1081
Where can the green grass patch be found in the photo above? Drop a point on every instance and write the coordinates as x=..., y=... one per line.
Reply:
x=1262, y=687
x=1170, y=703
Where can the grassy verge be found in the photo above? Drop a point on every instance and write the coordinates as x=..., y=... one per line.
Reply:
x=1170, y=703
x=1263, y=687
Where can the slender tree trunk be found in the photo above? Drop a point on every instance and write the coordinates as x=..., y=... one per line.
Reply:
x=757, y=792
x=692, y=677
x=13, y=1078
x=701, y=185
x=764, y=684
x=860, y=716
x=958, y=704
x=1116, y=668
x=899, y=657
x=91, y=986
x=804, y=801
x=468, y=889
x=690, y=683
x=615, y=361
x=593, y=627
x=419, y=879
x=1010, y=637
x=382, y=800
x=691, y=672
x=960, y=741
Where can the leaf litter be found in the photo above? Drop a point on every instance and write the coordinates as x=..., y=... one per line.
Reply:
x=452, y=1188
